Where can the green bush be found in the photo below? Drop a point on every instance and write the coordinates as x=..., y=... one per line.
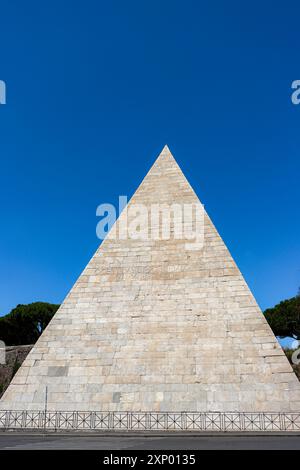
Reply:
x=284, y=318
x=25, y=323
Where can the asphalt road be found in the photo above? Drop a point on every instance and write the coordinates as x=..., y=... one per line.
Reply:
x=116, y=442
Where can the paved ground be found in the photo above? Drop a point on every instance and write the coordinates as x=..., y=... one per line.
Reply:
x=114, y=442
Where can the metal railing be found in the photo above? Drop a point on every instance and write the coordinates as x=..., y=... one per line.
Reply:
x=150, y=421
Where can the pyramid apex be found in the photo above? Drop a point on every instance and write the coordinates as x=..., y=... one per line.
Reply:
x=165, y=153
x=166, y=150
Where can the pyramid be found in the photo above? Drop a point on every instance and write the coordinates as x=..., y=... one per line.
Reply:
x=151, y=325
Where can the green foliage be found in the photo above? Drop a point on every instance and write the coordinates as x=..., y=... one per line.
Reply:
x=284, y=318
x=25, y=323
x=17, y=365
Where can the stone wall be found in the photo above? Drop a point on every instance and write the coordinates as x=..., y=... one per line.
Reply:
x=15, y=355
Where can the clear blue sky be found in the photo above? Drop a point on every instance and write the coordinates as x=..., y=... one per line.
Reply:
x=94, y=91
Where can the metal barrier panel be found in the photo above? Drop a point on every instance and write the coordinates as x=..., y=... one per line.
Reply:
x=150, y=421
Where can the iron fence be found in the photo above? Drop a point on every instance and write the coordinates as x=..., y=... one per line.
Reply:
x=150, y=421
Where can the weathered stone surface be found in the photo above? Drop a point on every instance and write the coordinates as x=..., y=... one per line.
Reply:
x=152, y=326
x=14, y=357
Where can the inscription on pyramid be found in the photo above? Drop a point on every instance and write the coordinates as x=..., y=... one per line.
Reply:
x=152, y=326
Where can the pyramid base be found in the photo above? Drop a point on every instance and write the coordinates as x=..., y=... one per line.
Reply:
x=148, y=421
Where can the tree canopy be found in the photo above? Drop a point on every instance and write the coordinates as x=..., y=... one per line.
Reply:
x=25, y=323
x=284, y=318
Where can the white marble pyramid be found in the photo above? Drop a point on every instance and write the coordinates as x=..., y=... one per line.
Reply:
x=152, y=326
